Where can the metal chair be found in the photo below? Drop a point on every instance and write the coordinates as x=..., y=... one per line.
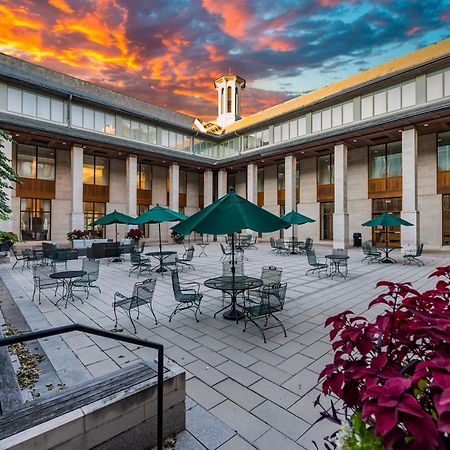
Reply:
x=86, y=282
x=225, y=252
x=269, y=275
x=281, y=247
x=413, y=256
x=42, y=280
x=139, y=264
x=186, y=297
x=307, y=246
x=370, y=253
x=342, y=262
x=188, y=256
x=169, y=262
x=142, y=295
x=271, y=300
x=315, y=264
x=23, y=257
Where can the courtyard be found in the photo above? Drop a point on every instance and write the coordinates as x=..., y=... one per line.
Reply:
x=242, y=393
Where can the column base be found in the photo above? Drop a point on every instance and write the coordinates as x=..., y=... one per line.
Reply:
x=340, y=231
x=410, y=235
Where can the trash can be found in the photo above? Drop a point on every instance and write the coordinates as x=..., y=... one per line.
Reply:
x=357, y=239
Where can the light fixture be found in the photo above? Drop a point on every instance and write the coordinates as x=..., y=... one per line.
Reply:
x=17, y=134
x=354, y=140
x=303, y=153
x=64, y=143
x=425, y=124
x=120, y=153
x=400, y=131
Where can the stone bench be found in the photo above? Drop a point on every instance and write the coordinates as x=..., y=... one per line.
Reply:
x=117, y=410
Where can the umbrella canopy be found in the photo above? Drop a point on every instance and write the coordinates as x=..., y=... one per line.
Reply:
x=295, y=218
x=159, y=214
x=114, y=217
x=230, y=214
x=387, y=220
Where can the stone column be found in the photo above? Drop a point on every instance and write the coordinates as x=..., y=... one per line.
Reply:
x=222, y=187
x=174, y=194
x=7, y=225
x=410, y=235
x=76, y=167
x=252, y=183
x=207, y=187
x=340, y=216
x=132, y=185
x=290, y=197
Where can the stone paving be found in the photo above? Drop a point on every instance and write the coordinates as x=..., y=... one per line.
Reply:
x=243, y=394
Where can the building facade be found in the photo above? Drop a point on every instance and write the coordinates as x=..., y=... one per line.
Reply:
x=378, y=140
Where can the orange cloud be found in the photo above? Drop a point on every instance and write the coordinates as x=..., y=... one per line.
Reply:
x=214, y=53
x=61, y=5
x=278, y=44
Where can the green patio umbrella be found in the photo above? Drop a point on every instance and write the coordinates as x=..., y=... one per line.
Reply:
x=114, y=218
x=231, y=214
x=387, y=220
x=295, y=218
x=159, y=214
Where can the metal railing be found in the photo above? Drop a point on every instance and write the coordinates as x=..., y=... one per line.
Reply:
x=107, y=334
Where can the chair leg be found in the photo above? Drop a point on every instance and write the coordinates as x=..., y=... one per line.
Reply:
x=131, y=319
x=115, y=315
x=154, y=316
x=34, y=292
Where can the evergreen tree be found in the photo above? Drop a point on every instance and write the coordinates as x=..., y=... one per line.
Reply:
x=7, y=175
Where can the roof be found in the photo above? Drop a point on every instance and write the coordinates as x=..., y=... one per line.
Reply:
x=395, y=66
x=34, y=74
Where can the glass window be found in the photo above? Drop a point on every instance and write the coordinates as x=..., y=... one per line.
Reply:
x=394, y=159
x=260, y=179
x=110, y=124
x=152, y=135
x=367, y=107
x=125, y=128
x=381, y=235
x=35, y=219
x=277, y=134
x=316, y=122
x=393, y=98
x=385, y=160
x=29, y=104
x=43, y=107
x=444, y=152
x=347, y=112
x=145, y=228
x=77, y=116
x=135, y=131
x=165, y=138
x=302, y=126
x=88, y=118
x=280, y=176
x=183, y=181
x=326, y=169
x=99, y=121
x=326, y=119
x=14, y=100
x=172, y=139
x=95, y=170
x=57, y=111
x=265, y=136
x=447, y=83
x=143, y=131
x=446, y=219
x=26, y=161
x=380, y=103
x=293, y=129
x=145, y=177
x=285, y=131
x=336, y=116
x=377, y=161
x=434, y=86
x=326, y=221
x=409, y=94
x=88, y=169
x=46, y=163
x=93, y=211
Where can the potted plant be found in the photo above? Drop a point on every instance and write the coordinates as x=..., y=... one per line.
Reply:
x=393, y=372
x=178, y=238
x=77, y=234
x=135, y=234
x=7, y=240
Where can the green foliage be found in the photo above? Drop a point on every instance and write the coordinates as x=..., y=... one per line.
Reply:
x=359, y=436
x=6, y=236
x=7, y=175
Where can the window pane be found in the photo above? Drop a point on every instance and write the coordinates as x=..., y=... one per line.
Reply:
x=444, y=152
x=347, y=112
x=143, y=129
x=260, y=180
x=380, y=105
x=126, y=127
x=393, y=99
x=394, y=159
x=99, y=121
x=326, y=119
x=57, y=111
x=280, y=177
x=302, y=126
x=35, y=217
x=316, y=122
x=367, y=107
x=293, y=129
x=14, y=100
x=336, y=116
x=46, y=164
x=265, y=136
x=43, y=107
x=152, y=135
x=145, y=177
x=26, y=161
x=183, y=182
x=377, y=161
x=88, y=118
x=88, y=169
x=101, y=171
x=446, y=219
x=135, y=131
x=165, y=138
x=325, y=169
x=110, y=124
x=326, y=221
x=285, y=131
x=77, y=116
x=277, y=134
x=409, y=94
x=172, y=139
x=29, y=104
x=434, y=86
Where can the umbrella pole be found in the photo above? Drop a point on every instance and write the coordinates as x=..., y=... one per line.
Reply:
x=160, y=245
x=233, y=274
x=293, y=251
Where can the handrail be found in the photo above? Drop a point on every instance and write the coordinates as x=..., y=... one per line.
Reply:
x=107, y=334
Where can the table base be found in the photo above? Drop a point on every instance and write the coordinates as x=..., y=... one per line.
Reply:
x=232, y=313
x=67, y=293
x=387, y=260
x=161, y=269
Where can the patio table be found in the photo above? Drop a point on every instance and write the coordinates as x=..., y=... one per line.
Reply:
x=67, y=279
x=225, y=284
x=202, y=246
x=387, y=259
x=160, y=256
x=335, y=264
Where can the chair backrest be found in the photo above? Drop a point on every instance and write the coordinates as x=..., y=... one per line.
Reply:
x=308, y=244
x=41, y=274
x=223, y=249
x=272, y=242
x=145, y=289
x=275, y=296
x=142, y=247
x=176, y=284
x=280, y=243
x=271, y=275
x=311, y=255
x=366, y=247
x=419, y=250
x=170, y=259
x=340, y=251
x=91, y=267
x=135, y=258
x=48, y=248
x=189, y=255
x=238, y=268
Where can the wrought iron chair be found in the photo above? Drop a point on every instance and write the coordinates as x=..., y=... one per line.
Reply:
x=186, y=297
x=370, y=254
x=23, y=257
x=87, y=282
x=142, y=295
x=315, y=264
x=307, y=246
x=269, y=275
x=169, y=262
x=273, y=245
x=413, y=256
x=42, y=280
x=271, y=300
x=226, y=252
x=187, y=258
x=139, y=264
x=343, y=262
x=282, y=249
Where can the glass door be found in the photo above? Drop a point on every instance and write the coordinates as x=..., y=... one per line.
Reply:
x=392, y=235
x=326, y=221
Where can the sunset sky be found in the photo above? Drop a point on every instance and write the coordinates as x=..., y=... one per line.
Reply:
x=169, y=52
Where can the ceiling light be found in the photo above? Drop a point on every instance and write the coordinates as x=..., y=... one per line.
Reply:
x=400, y=131
x=64, y=143
x=120, y=153
x=425, y=124
x=303, y=153
x=17, y=134
x=354, y=140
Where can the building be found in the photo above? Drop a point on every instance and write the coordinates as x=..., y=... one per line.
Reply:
x=378, y=140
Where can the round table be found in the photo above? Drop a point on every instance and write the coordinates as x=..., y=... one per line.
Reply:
x=160, y=256
x=387, y=249
x=232, y=287
x=66, y=278
x=335, y=266
x=202, y=246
